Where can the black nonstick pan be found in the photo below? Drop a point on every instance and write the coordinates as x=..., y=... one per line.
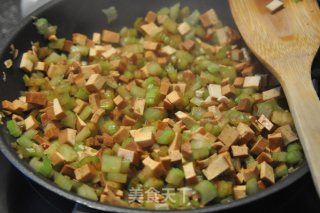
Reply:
x=85, y=16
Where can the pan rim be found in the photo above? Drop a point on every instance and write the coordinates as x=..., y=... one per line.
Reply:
x=24, y=168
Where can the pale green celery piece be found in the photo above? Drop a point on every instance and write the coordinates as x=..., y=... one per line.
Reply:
x=25, y=142
x=164, y=11
x=107, y=104
x=179, y=200
x=86, y=113
x=235, y=117
x=224, y=188
x=137, y=91
x=184, y=12
x=197, y=112
x=123, y=92
x=294, y=157
x=193, y=19
x=200, y=149
x=111, y=14
x=83, y=50
x=175, y=177
x=282, y=118
x=174, y=11
x=84, y=133
x=35, y=163
x=58, y=44
x=13, y=128
x=69, y=120
x=82, y=93
x=117, y=177
x=110, y=127
x=85, y=160
x=63, y=182
x=279, y=157
x=172, y=73
x=145, y=174
x=52, y=148
x=125, y=166
x=252, y=186
x=154, y=68
x=266, y=108
x=294, y=147
x=87, y=192
x=184, y=59
x=153, y=182
x=153, y=96
x=281, y=170
x=166, y=137
x=67, y=152
x=207, y=191
x=110, y=163
x=213, y=67
x=170, y=25
x=52, y=58
x=152, y=114
x=228, y=72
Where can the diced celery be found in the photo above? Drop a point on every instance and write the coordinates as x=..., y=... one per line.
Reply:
x=63, y=182
x=125, y=166
x=282, y=118
x=25, y=142
x=85, y=160
x=179, y=200
x=46, y=167
x=107, y=104
x=228, y=72
x=111, y=163
x=82, y=94
x=86, y=113
x=67, y=152
x=279, y=157
x=152, y=114
x=83, y=50
x=110, y=127
x=172, y=73
x=175, y=177
x=154, y=69
x=58, y=44
x=137, y=92
x=87, y=192
x=224, y=188
x=193, y=18
x=117, y=177
x=200, y=149
x=174, y=11
x=166, y=137
x=207, y=191
x=252, y=186
x=281, y=170
x=294, y=147
x=214, y=129
x=153, y=182
x=144, y=174
x=235, y=117
x=152, y=96
x=266, y=108
x=294, y=157
x=13, y=128
x=196, y=112
x=69, y=120
x=83, y=135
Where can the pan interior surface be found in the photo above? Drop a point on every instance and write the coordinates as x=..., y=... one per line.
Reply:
x=86, y=17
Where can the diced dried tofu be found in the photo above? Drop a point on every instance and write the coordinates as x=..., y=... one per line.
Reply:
x=275, y=140
x=57, y=109
x=138, y=106
x=121, y=134
x=266, y=173
x=189, y=173
x=209, y=18
x=239, y=191
x=236, y=55
x=252, y=81
x=184, y=28
x=144, y=139
x=79, y=38
x=216, y=167
x=157, y=167
x=150, y=45
x=110, y=37
x=264, y=156
x=175, y=156
x=266, y=122
x=215, y=90
x=259, y=146
x=240, y=151
x=186, y=119
x=26, y=64
x=85, y=173
x=272, y=93
x=150, y=29
x=95, y=83
x=229, y=136
x=150, y=17
x=288, y=134
x=68, y=136
x=96, y=38
x=274, y=5
x=168, y=50
x=129, y=155
x=31, y=123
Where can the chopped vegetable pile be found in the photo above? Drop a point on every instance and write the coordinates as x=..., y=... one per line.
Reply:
x=167, y=114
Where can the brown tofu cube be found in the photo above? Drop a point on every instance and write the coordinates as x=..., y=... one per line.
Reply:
x=128, y=121
x=40, y=66
x=176, y=143
x=110, y=37
x=161, y=18
x=121, y=134
x=274, y=6
x=215, y=90
x=119, y=101
x=184, y=28
x=209, y=18
x=96, y=38
x=229, y=136
x=150, y=29
x=174, y=98
x=168, y=50
x=249, y=71
x=51, y=131
x=216, y=167
x=272, y=93
x=85, y=173
x=68, y=171
x=107, y=140
x=239, y=192
x=97, y=115
x=240, y=151
x=150, y=17
x=259, y=146
x=95, y=83
x=228, y=90
x=275, y=140
x=249, y=173
x=94, y=101
x=144, y=139
x=264, y=156
x=108, y=53
x=175, y=156
x=26, y=64
x=266, y=123
x=129, y=155
x=31, y=123
x=150, y=45
x=244, y=105
x=56, y=159
x=138, y=107
x=80, y=39
x=239, y=178
x=186, y=119
x=238, y=82
x=236, y=55
x=266, y=173
x=164, y=88
x=288, y=134
x=68, y=136
x=57, y=110
x=252, y=81
x=246, y=133
x=188, y=45
x=157, y=168
x=189, y=173
x=166, y=162
x=38, y=98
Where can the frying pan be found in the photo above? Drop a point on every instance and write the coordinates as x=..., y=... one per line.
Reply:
x=86, y=17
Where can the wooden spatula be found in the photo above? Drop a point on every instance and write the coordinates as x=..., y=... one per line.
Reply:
x=286, y=42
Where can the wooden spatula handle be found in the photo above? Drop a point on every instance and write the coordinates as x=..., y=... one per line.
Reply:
x=305, y=108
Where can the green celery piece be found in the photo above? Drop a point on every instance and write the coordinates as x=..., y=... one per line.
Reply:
x=58, y=44
x=111, y=163
x=151, y=114
x=110, y=127
x=166, y=137
x=13, y=128
x=46, y=167
x=69, y=120
x=86, y=113
x=83, y=135
x=67, y=152
x=179, y=200
x=42, y=25
x=224, y=188
x=83, y=50
x=25, y=142
x=175, y=177
x=30, y=133
x=228, y=72
x=266, y=108
x=213, y=68
x=52, y=148
x=207, y=191
x=252, y=186
x=82, y=93
x=235, y=117
x=154, y=69
x=87, y=192
x=279, y=157
x=35, y=163
x=125, y=166
x=85, y=160
x=145, y=174
x=174, y=11
x=294, y=157
x=53, y=58
x=281, y=170
x=63, y=182
x=294, y=147
x=117, y=177
x=153, y=182
x=193, y=19
x=282, y=118
x=107, y=104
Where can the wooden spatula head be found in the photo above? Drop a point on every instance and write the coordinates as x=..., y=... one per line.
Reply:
x=291, y=32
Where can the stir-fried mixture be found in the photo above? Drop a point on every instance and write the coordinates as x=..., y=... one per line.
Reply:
x=167, y=114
